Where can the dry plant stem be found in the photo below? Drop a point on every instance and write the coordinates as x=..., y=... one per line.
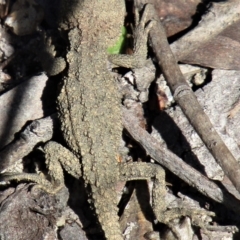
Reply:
x=38, y=131
x=190, y=106
x=223, y=228
x=175, y=164
x=219, y=17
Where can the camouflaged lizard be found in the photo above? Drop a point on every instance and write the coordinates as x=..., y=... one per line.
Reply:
x=89, y=108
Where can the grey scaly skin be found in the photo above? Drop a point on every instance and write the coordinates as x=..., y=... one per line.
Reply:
x=89, y=109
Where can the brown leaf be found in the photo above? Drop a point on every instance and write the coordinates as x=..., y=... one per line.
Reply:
x=175, y=15
x=221, y=53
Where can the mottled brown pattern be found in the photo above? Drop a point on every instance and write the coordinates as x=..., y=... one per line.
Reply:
x=89, y=110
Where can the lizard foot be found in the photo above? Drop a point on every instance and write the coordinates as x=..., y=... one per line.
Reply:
x=199, y=218
x=42, y=183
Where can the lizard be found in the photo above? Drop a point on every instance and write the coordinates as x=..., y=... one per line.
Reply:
x=89, y=109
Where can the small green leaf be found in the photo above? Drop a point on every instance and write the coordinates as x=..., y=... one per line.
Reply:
x=117, y=48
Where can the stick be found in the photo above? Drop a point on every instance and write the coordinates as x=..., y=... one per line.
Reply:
x=175, y=164
x=190, y=106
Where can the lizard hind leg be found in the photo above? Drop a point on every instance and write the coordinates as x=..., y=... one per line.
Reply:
x=139, y=171
x=57, y=157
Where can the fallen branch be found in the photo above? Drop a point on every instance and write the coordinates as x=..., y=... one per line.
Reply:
x=176, y=165
x=190, y=106
x=38, y=131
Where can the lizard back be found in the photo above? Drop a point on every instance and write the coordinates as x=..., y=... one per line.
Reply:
x=89, y=102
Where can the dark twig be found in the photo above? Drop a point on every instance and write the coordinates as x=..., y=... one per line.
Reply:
x=189, y=104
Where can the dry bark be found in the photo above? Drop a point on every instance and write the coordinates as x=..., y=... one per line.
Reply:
x=28, y=213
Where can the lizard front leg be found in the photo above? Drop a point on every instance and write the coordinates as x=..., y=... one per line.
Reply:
x=140, y=48
x=56, y=157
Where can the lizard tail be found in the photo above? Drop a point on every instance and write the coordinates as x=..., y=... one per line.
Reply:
x=105, y=202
